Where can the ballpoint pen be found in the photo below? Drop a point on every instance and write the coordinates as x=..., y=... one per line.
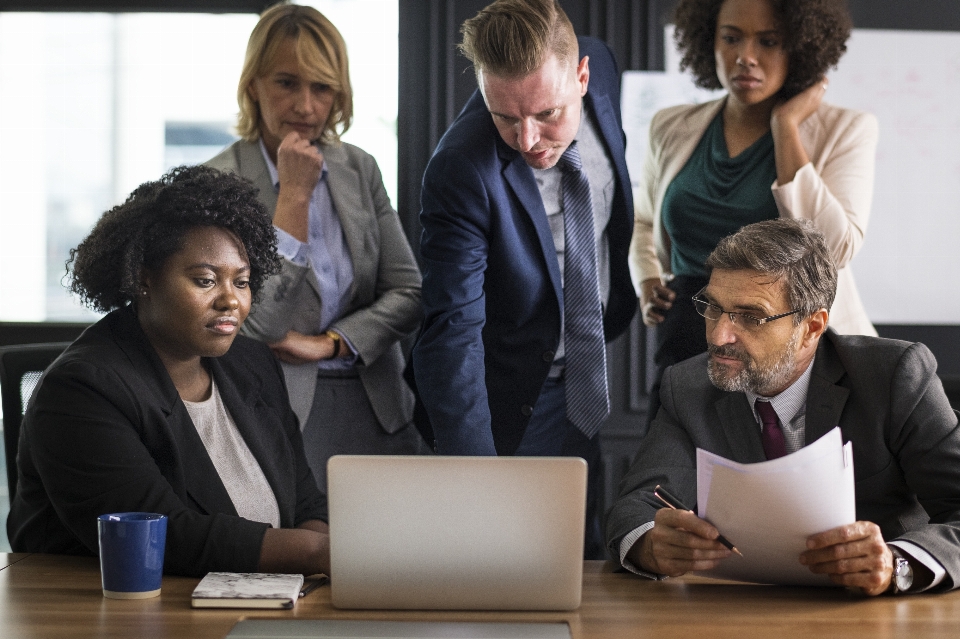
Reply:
x=310, y=587
x=664, y=495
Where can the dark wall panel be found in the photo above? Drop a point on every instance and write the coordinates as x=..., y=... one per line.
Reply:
x=920, y=15
x=12, y=333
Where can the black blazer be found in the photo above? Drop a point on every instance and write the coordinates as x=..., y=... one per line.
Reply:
x=106, y=432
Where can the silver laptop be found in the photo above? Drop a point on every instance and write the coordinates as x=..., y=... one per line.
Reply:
x=467, y=533
x=332, y=629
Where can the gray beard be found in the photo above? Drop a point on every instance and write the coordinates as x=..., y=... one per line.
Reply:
x=760, y=380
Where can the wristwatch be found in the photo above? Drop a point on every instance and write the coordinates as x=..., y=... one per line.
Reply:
x=902, y=578
x=335, y=336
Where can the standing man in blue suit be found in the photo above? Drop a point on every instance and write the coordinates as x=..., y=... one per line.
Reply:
x=528, y=188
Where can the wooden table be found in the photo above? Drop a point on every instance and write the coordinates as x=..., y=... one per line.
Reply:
x=54, y=596
x=7, y=558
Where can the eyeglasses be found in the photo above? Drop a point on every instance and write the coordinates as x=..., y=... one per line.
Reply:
x=713, y=313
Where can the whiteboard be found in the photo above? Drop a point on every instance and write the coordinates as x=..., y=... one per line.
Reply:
x=909, y=266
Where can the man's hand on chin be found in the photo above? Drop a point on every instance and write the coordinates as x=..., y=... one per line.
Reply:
x=854, y=555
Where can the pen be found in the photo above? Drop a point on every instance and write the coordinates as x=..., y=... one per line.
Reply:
x=664, y=495
x=310, y=587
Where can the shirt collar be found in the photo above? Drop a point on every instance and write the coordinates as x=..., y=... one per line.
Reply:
x=788, y=404
x=274, y=176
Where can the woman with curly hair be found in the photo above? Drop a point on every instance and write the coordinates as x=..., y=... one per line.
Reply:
x=349, y=288
x=161, y=406
x=770, y=148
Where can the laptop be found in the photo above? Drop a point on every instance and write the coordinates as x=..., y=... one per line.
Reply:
x=462, y=533
x=336, y=629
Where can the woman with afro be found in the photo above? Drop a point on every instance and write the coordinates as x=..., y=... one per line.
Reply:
x=770, y=148
x=162, y=406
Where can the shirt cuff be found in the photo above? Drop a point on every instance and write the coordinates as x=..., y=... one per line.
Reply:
x=353, y=359
x=925, y=558
x=627, y=543
x=290, y=248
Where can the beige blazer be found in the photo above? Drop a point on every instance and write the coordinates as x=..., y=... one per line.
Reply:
x=384, y=303
x=834, y=191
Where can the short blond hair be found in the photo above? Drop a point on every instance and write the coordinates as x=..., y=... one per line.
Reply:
x=513, y=38
x=321, y=53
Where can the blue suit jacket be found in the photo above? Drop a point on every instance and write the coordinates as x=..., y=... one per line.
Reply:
x=492, y=296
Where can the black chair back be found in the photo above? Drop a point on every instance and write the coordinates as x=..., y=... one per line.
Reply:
x=951, y=384
x=20, y=369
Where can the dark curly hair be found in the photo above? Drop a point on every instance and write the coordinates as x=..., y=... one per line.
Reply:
x=105, y=269
x=815, y=35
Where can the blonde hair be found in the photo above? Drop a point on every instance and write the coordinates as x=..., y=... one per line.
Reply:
x=513, y=38
x=322, y=56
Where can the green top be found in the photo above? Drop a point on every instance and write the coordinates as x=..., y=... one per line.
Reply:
x=715, y=195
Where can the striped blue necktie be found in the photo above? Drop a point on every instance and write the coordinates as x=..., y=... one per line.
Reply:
x=588, y=402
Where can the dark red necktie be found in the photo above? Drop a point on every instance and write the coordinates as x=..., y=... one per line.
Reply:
x=773, y=443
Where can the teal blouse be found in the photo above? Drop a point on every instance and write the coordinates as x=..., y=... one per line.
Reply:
x=714, y=195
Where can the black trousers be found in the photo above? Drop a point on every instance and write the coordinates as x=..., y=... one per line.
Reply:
x=681, y=335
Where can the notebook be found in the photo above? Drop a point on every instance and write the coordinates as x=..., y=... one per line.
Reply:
x=330, y=629
x=247, y=590
x=468, y=533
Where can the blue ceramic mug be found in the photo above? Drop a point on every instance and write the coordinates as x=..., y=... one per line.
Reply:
x=131, y=554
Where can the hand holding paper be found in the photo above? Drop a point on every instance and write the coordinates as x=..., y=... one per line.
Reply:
x=772, y=507
x=854, y=555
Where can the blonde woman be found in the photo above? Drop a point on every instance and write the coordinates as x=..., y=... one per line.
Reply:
x=349, y=287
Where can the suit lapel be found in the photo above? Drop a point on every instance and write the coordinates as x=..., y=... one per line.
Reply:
x=203, y=482
x=606, y=118
x=825, y=399
x=355, y=220
x=250, y=162
x=740, y=428
x=519, y=176
x=685, y=139
x=266, y=445
x=200, y=477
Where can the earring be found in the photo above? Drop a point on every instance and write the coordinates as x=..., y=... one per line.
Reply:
x=143, y=292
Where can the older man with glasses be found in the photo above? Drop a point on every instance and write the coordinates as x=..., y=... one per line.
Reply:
x=766, y=387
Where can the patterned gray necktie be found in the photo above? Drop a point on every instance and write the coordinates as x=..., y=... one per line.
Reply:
x=588, y=402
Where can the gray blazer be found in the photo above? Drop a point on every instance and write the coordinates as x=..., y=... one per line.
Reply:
x=384, y=305
x=886, y=398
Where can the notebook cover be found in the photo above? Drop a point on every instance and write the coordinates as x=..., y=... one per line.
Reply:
x=247, y=590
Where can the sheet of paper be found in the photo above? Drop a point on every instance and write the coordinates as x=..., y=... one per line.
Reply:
x=767, y=510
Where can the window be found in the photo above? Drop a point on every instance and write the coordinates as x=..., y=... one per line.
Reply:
x=93, y=104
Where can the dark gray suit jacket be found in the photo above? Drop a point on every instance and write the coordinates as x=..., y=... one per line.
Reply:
x=886, y=398
x=384, y=302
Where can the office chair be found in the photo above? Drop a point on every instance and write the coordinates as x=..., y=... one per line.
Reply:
x=951, y=384
x=20, y=369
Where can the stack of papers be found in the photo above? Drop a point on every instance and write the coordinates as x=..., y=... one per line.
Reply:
x=767, y=510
